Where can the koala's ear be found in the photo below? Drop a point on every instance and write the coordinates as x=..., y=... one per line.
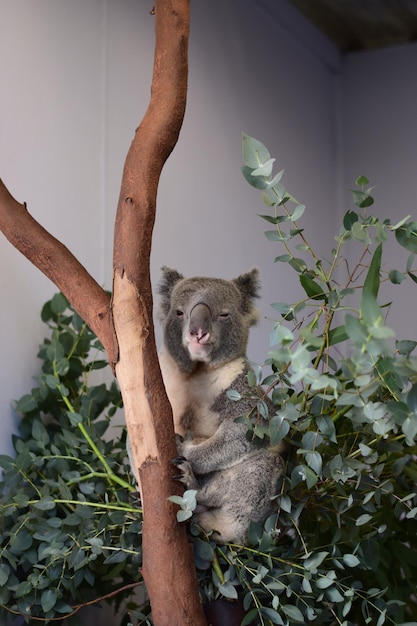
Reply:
x=169, y=279
x=249, y=286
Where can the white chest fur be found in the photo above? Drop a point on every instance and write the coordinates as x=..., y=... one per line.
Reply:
x=195, y=393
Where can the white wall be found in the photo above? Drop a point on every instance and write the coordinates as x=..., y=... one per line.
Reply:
x=76, y=82
x=51, y=153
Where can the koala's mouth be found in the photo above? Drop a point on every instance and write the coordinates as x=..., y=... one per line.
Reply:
x=199, y=351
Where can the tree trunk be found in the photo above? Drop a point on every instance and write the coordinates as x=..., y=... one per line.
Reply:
x=125, y=325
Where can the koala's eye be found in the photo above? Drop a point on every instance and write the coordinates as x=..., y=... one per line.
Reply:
x=179, y=313
x=224, y=316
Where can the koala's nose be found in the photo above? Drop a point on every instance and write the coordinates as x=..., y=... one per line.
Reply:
x=200, y=323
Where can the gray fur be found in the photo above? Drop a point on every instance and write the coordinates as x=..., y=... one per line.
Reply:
x=206, y=324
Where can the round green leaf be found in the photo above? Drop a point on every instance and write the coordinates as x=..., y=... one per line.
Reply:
x=4, y=574
x=48, y=599
x=293, y=613
x=350, y=560
x=59, y=303
x=45, y=504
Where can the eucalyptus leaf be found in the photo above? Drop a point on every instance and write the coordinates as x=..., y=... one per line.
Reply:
x=255, y=181
x=285, y=503
x=284, y=258
x=334, y=595
x=4, y=574
x=293, y=613
x=372, y=280
x=412, y=399
x=406, y=346
x=26, y=404
x=298, y=212
x=350, y=560
x=325, y=582
x=396, y=277
x=278, y=429
x=349, y=219
x=337, y=335
x=360, y=233
x=275, y=235
x=183, y=515
x=272, y=220
x=48, y=599
x=39, y=432
x=59, y=303
x=276, y=179
x=265, y=169
x=312, y=288
x=250, y=616
x=74, y=418
x=297, y=264
x=356, y=330
x=370, y=311
x=254, y=152
x=6, y=462
x=410, y=261
x=412, y=276
x=228, y=590
x=45, y=504
x=285, y=309
x=362, y=181
x=312, y=563
x=365, y=518
x=233, y=395
x=406, y=235
x=271, y=614
x=190, y=498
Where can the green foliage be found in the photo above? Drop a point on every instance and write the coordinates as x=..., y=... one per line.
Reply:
x=187, y=503
x=68, y=527
x=342, y=549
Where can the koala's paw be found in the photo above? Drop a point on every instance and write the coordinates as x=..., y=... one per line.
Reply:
x=186, y=477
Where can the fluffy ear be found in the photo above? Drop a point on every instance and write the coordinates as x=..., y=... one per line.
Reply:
x=249, y=285
x=169, y=278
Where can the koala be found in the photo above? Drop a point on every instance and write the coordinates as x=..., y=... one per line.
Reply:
x=206, y=323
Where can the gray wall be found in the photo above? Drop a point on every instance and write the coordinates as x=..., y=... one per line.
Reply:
x=75, y=84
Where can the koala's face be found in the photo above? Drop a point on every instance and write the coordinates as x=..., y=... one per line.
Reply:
x=207, y=319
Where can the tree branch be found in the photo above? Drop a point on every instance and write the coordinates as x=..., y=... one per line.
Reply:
x=175, y=599
x=48, y=254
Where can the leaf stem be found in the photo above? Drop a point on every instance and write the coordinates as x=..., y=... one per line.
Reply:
x=111, y=476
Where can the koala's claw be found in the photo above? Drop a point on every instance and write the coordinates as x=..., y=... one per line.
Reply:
x=185, y=468
x=178, y=460
x=186, y=477
x=179, y=477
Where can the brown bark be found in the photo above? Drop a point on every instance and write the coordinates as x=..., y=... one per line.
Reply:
x=126, y=328
x=147, y=410
x=59, y=264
